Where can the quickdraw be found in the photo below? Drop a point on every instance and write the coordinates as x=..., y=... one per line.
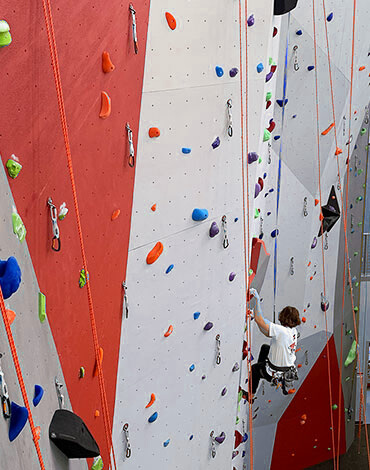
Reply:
x=296, y=66
x=230, y=118
x=128, y=445
x=134, y=30
x=131, y=158
x=55, y=244
x=225, y=242
x=218, y=349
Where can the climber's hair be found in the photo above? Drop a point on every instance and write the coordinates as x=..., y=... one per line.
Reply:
x=289, y=316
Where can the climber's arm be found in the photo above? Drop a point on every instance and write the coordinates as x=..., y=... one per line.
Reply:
x=262, y=323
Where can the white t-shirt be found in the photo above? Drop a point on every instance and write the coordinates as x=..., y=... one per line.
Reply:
x=283, y=345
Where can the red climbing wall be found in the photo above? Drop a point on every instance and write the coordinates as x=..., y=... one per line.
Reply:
x=300, y=445
x=104, y=181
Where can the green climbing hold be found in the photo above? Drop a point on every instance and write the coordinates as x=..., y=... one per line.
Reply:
x=256, y=213
x=335, y=407
x=348, y=378
x=355, y=253
x=260, y=160
x=5, y=36
x=363, y=131
x=42, y=307
x=268, y=96
x=97, y=464
x=13, y=166
x=240, y=395
x=359, y=224
x=250, y=271
x=18, y=227
x=351, y=354
x=237, y=420
x=360, y=171
x=83, y=278
x=348, y=332
x=266, y=135
x=359, y=198
x=357, y=284
x=356, y=309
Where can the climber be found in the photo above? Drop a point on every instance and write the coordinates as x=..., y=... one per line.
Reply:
x=276, y=362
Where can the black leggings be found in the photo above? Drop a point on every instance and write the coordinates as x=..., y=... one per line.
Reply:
x=259, y=369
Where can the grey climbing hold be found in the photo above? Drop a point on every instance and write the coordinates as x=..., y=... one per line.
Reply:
x=275, y=233
x=196, y=315
x=216, y=143
x=219, y=71
x=233, y=72
x=199, y=215
x=260, y=67
x=214, y=230
x=153, y=417
x=232, y=276
x=208, y=326
x=252, y=157
x=250, y=20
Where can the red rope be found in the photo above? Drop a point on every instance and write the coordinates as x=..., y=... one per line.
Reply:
x=58, y=84
x=20, y=378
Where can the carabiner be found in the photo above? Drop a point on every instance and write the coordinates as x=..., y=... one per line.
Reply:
x=230, y=118
x=225, y=242
x=218, y=346
x=296, y=66
x=131, y=158
x=55, y=244
x=128, y=445
x=134, y=31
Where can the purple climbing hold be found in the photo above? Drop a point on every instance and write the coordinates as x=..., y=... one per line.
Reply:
x=233, y=72
x=235, y=367
x=234, y=454
x=220, y=439
x=314, y=243
x=257, y=190
x=203, y=377
x=208, y=326
x=252, y=157
x=224, y=391
x=214, y=230
x=269, y=77
x=275, y=233
x=216, y=143
x=232, y=276
x=250, y=20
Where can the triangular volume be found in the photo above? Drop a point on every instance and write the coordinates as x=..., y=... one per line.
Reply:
x=70, y=434
x=330, y=212
x=284, y=6
x=18, y=420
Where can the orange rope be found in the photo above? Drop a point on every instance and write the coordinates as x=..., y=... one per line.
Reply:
x=246, y=238
x=58, y=84
x=20, y=378
x=322, y=236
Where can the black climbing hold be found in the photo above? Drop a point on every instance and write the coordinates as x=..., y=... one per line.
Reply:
x=71, y=435
x=284, y=6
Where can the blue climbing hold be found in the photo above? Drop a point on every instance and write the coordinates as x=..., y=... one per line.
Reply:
x=196, y=315
x=276, y=137
x=330, y=16
x=191, y=437
x=18, y=420
x=268, y=213
x=299, y=32
x=186, y=150
x=152, y=418
x=294, y=116
x=219, y=71
x=280, y=102
x=10, y=276
x=236, y=219
x=310, y=67
x=233, y=72
x=271, y=190
x=216, y=143
x=170, y=268
x=199, y=214
x=264, y=175
x=165, y=444
x=260, y=67
x=192, y=367
x=275, y=233
x=38, y=394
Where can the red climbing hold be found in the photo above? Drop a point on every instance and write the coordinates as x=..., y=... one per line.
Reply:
x=268, y=104
x=106, y=107
x=316, y=202
x=11, y=315
x=274, y=33
x=291, y=391
x=326, y=131
x=271, y=126
x=338, y=151
x=154, y=132
x=107, y=64
x=273, y=68
x=361, y=68
x=304, y=319
x=171, y=20
x=260, y=182
x=238, y=439
x=154, y=207
x=169, y=331
x=155, y=253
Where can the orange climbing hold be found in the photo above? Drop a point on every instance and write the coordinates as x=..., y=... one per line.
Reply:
x=11, y=315
x=299, y=366
x=154, y=132
x=155, y=253
x=106, y=107
x=171, y=20
x=304, y=319
x=101, y=353
x=321, y=217
x=338, y=151
x=361, y=68
x=38, y=432
x=107, y=64
x=97, y=413
x=115, y=214
x=151, y=401
x=169, y=331
x=316, y=202
x=291, y=391
x=326, y=131
x=154, y=207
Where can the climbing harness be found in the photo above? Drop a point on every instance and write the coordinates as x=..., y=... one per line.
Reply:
x=326, y=242
x=291, y=269
x=58, y=387
x=134, y=30
x=5, y=402
x=128, y=445
x=218, y=349
x=296, y=66
x=282, y=376
x=55, y=244
x=230, y=118
x=225, y=242
x=131, y=158
x=125, y=299
x=305, y=211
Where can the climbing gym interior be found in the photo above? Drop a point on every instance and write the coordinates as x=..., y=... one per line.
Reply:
x=170, y=170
